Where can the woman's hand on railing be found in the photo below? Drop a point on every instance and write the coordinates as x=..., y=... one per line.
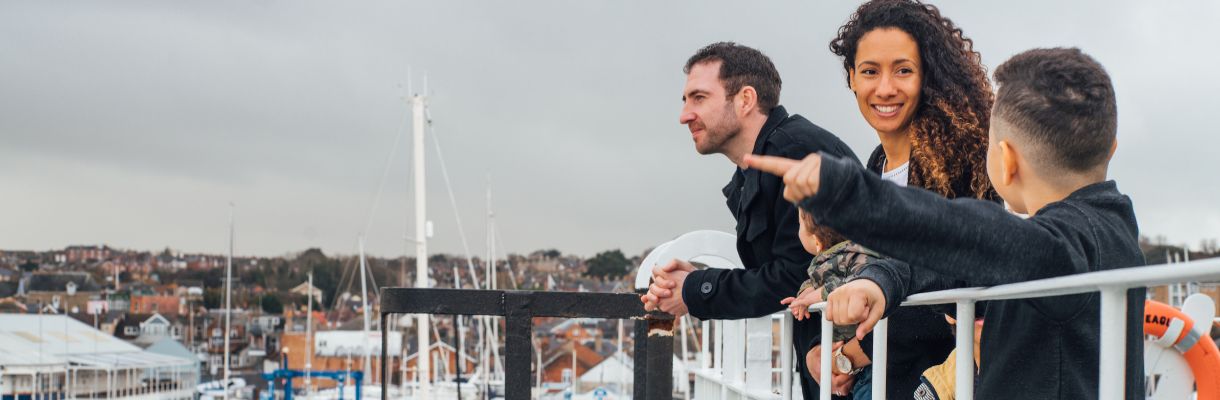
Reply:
x=858, y=302
x=840, y=384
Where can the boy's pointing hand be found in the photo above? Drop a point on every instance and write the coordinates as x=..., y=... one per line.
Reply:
x=800, y=177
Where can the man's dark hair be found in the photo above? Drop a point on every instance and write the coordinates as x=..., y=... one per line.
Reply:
x=742, y=66
x=1061, y=100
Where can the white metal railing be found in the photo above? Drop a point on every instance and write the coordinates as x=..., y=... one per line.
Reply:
x=1112, y=284
x=733, y=375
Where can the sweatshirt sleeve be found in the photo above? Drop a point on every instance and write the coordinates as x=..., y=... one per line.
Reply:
x=897, y=281
x=970, y=240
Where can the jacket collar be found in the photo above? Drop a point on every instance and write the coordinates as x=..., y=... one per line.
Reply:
x=745, y=187
x=747, y=180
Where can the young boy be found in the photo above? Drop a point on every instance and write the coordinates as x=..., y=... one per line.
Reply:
x=1051, y=139
x=835, y=261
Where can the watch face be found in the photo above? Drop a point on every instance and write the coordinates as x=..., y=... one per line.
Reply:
x=842, y=364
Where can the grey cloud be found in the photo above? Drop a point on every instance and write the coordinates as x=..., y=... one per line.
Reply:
x=135, y=122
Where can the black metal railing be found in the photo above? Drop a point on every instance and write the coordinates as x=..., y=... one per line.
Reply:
x=653, y=367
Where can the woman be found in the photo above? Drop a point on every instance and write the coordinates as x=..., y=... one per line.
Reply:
x=920, y=84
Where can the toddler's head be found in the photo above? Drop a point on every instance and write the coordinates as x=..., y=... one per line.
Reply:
x=816, y=238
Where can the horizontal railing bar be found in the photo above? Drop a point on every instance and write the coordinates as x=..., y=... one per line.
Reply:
x=442, y=301
x=590, y=305
x=1125, y=278
x=491, y=302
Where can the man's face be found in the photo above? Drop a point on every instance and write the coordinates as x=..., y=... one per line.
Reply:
x=706, y=110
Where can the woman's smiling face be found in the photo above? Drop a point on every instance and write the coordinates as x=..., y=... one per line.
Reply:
x=886, y=78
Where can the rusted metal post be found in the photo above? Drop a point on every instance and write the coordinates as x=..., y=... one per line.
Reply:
x=660, y=357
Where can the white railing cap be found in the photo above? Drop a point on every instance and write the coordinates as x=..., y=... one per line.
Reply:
x=714, y=248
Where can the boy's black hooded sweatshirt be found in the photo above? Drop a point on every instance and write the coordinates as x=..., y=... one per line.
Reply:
x=1044, y=348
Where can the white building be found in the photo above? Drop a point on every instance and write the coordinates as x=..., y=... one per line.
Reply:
x=57, y=356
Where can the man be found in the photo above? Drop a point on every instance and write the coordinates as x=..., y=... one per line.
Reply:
x=731, y=106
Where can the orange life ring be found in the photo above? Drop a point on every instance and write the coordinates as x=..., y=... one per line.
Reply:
x=1199, y=350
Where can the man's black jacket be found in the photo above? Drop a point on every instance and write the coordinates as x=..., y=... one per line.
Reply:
x=775, y=262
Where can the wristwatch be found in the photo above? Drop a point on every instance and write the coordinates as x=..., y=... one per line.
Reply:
x=843, y=364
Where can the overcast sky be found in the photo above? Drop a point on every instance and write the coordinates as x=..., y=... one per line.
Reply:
x=135, y=123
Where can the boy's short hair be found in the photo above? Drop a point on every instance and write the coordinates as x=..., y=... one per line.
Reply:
x=828, y=237
x=1061, y=102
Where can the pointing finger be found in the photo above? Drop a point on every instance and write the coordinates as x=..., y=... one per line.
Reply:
x=770, y=164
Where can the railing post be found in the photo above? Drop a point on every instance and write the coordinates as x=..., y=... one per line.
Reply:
x=827, y=337
x=785, y=356
x=964, y=376
x=1113, y=357
x=682, y=332
x=881, y=354
x=660, y=358
x=518, y=351
x=639, y=385
x=705, y=361
x=759, y=334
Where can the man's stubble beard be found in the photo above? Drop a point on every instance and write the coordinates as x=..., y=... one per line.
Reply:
x=715, y=137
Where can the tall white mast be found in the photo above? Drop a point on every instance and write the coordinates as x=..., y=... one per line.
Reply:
x=309, y=347
x=364, y=307
x=421, y=243
x=457, y=322
x=228, y=302
x=488, y=364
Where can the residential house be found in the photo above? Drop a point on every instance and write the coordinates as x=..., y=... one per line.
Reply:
x=563, y=362
x=149, y=328
x=87, y=254
x=304, y=289
x=61, y=291
x=158, y=304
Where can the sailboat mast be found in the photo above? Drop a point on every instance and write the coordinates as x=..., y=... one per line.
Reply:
x=228, y=302
x=309, y=338
x=421, y=243
x=364, y=307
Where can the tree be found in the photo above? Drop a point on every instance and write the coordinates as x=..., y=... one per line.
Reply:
x=213, y=298
x=608, y=264
x=272, y=304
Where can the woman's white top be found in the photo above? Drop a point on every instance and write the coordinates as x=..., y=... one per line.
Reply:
x=898, y=175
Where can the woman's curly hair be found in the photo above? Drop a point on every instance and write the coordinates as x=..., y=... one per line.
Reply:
x=949, y=129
